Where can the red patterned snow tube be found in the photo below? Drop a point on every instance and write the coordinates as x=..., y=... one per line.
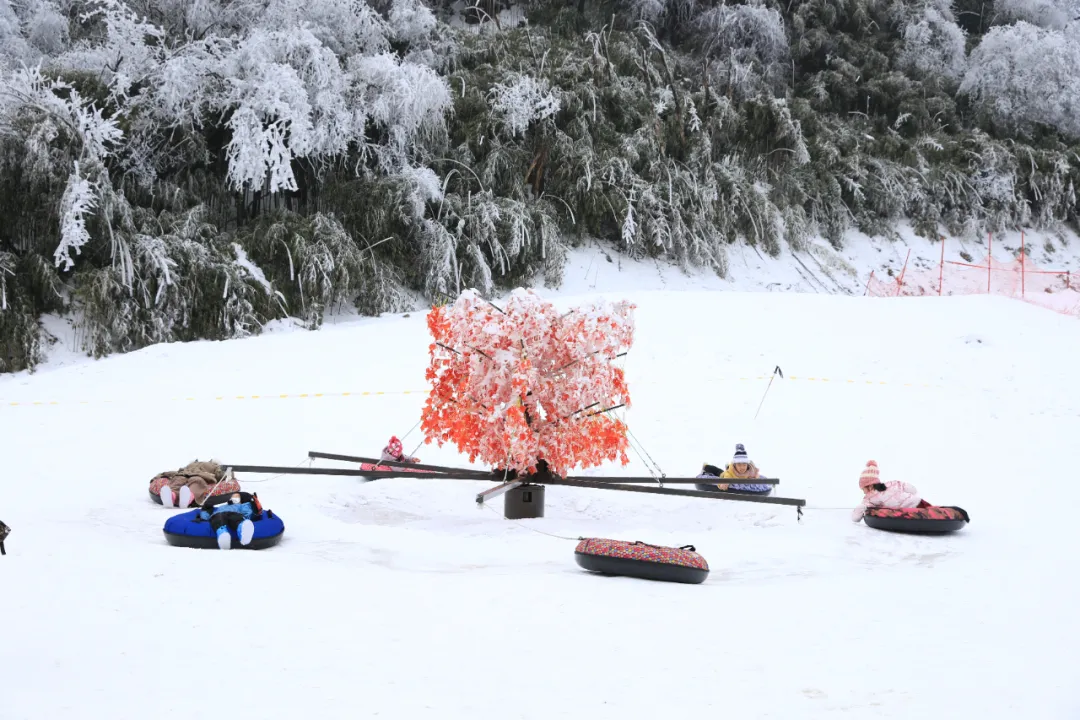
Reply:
x=933, y=520
x=371, y=467
x=641, y=560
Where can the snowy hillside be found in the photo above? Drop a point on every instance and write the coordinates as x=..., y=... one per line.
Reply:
x=402, y=599
x=183, y=171
x=820, y=269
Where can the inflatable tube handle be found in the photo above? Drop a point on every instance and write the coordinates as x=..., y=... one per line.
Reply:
x=691, y=548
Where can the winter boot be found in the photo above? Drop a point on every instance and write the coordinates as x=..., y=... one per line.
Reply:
x=246, y=531
x=168, y=497
x=224, y=540
x=186, y=496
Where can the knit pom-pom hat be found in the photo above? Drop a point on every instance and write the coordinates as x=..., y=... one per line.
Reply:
x=870, y=475
x=740, y=455
x=394, y=446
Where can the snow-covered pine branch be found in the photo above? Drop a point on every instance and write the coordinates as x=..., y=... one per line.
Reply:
x=79, y=201
x=57, y=111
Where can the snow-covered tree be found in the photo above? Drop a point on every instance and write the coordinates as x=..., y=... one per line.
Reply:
x=180, y=169
x=934, y=43
x=1050, y=14
x=1022, y=74
x=13, y=46
x=521, y=101
x=748, y=40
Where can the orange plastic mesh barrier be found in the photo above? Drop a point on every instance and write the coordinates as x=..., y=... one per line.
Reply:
x=1020, y=278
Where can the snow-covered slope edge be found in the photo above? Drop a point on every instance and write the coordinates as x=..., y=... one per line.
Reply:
x=820, y=269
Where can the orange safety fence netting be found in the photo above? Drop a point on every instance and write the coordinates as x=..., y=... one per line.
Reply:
x=1057, y=290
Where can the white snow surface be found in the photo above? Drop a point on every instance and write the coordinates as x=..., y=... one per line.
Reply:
x=403, y=599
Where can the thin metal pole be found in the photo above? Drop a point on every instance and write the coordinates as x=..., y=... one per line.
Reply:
x=352, y=472
x=684, y=493
x=941, y=268
x=771, y=378
x=666, y=480
x=390, y=463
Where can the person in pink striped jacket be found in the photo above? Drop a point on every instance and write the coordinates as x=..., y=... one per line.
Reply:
x=895, y=494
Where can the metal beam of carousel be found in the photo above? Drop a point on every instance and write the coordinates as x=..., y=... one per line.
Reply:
x=672, y=480
x=684, y=493
x=497, y=473
x=386, y=474
x=387, y=463
x=276, y=470
x=498, y=490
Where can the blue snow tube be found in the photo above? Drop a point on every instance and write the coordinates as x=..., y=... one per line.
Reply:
x=187, y=530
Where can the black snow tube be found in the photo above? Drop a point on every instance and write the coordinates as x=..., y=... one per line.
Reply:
x=640, y=560
x=918, y=521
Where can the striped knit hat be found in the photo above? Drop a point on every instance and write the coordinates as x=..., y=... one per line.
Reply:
x=870, y=475
x=740, y=455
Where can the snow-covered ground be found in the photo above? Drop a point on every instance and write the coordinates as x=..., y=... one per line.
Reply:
x=820, y=269
x=403, y=599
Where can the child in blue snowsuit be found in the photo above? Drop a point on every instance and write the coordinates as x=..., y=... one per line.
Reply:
x=232, y=512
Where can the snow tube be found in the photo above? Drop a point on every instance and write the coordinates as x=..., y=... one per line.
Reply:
x=640, y=560
x=717, y=472
x=920, y=520
x=226, y=487
x=187, y=530
x=731, y=491
x=371, y=467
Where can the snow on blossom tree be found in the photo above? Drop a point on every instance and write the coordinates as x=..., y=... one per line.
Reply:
x=513, y=386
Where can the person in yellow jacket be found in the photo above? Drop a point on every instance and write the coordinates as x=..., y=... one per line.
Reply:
x=742, y=468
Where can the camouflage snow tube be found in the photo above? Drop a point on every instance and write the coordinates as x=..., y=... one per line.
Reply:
x=711, y=474
x=640, y=560
x=203, y=478
x=919, y=520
